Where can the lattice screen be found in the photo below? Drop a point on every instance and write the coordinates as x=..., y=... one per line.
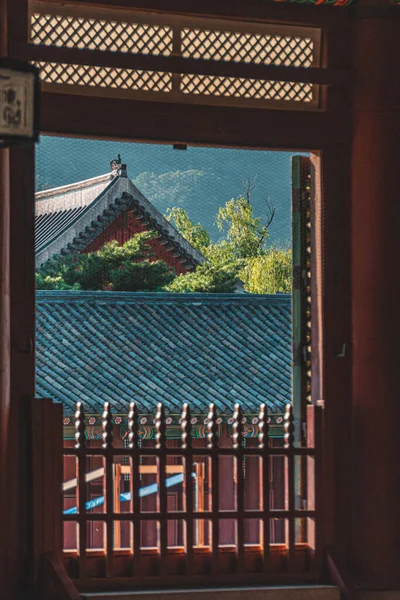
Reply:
x=105, y=77
x=246, y=88
x=125, y=32
x=248, y=47
x=91, y=34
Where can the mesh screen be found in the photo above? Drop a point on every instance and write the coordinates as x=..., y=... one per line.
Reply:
x=200, y=180
x=204, y=317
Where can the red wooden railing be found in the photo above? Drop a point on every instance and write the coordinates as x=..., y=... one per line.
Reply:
x=182, y=533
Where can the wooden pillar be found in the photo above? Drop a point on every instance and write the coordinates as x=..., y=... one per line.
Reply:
x=5, y=530
x=376, y=312
x=16, y=351
x=4, y=366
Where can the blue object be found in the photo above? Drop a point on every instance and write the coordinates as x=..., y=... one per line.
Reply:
x=148, y=490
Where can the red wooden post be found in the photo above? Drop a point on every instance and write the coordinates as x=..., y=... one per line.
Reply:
x=316, y=528
x=289, y=475
x=376, y=317
x=133, y=439
x=263, y=444
x=80, y=445
x=117, y=505
x=187, y=446
x=47, y=463
x=237, y=445
x=162, y=462
x=5, y=463
x=212, y=445
x=109, y=487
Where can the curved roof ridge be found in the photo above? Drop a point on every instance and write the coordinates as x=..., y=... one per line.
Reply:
x=64, y=220
x=64, y=236
x=161, y=297
x=62, y=189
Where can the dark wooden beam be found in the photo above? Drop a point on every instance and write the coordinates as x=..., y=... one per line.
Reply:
x=17, y=27
x=163, y=122
x=250, y=10
x=180, y=65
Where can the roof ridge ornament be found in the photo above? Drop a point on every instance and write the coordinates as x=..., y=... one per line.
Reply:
x=117, y=168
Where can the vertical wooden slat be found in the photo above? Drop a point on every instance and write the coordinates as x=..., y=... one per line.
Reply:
x=263, y=445
x=80, y=444
x=212, y=445
x=160, y=446
x=188, y=457
x=301, y=288
x=58, y=463
x=176, y=51
x=48, y=498
x=117, y=505
x=109, y=496
x=38, y=480
x=238, y=445
x=315, y=415
x=289, y=445
x=200, y=475
x=311, y=529
x=47, y=469
x=133, y=439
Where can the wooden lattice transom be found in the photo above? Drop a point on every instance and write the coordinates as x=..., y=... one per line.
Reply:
x=126, y=32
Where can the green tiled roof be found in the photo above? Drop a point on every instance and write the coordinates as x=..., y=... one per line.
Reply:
x=175, y=348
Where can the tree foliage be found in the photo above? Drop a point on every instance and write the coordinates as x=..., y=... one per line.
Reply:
x=127, y=267
x=241, y=259
x=269, y=273
x=244, y=232
x=196, y=235
x=208, y=278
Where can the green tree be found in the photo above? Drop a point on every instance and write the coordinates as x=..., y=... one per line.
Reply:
x=207, y=278
x=241, y=256
x=127, y=267
x=243, y=231
x=269, y=273
x=196, y=235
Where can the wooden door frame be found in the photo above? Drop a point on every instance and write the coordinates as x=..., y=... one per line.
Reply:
x=327, y=133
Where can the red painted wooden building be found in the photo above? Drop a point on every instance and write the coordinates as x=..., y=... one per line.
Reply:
x=83, y=216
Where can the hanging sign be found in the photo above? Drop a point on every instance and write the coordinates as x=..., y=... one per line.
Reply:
x=19, y=100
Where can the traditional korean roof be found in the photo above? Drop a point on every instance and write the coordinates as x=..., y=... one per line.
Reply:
x=70, y=217
x=197, y=348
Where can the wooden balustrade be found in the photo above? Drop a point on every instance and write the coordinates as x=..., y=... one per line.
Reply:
x=152, y=513
x=155, y=512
